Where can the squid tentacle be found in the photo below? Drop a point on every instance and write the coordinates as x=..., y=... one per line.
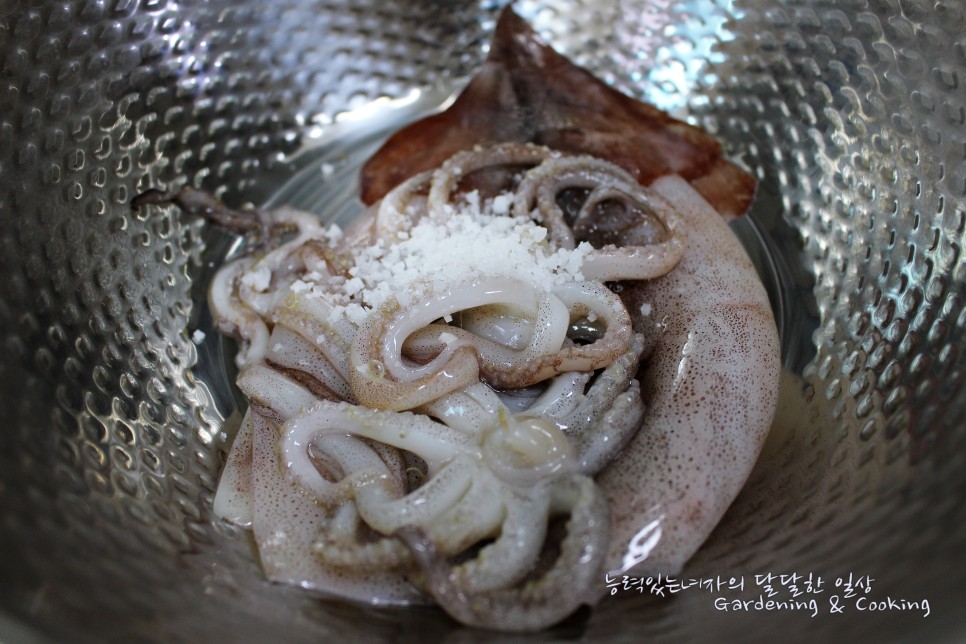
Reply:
x=374, y=388
x=638, y=262
x=268, y=278
x=203, y=204
x=501, y=366
x=612, y=431
x=424, y=505
x=341, y=545
x=536, y=603
x=233, y=317
x=561, y=396
x=434, y=442
x=307, y=363
x=513, y=554
x=469, y=410
x=477, y=516
x=312, y=319
x=608, y=415
x=396, y=213
x=538, y=190
x=448, y=175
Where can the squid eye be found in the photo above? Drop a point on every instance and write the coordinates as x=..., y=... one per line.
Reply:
x=585, y=331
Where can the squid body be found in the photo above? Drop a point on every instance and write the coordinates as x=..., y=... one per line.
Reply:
x=587, y=399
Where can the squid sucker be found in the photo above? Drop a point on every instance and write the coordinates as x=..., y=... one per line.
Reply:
x=539, y=356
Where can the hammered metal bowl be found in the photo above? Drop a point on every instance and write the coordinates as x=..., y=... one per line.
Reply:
x=852, y=114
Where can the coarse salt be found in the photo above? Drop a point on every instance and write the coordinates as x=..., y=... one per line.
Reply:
x=447, y=338
x=259, y=279
x=470, y=241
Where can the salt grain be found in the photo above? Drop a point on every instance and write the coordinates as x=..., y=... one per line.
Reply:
x=259, y=279
x=447, y=338
x=470, y=241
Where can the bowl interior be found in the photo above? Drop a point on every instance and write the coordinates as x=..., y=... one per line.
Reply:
x=850, y=114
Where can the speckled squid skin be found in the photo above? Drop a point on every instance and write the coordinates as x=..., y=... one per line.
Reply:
x=527, y=92
x=710, y=384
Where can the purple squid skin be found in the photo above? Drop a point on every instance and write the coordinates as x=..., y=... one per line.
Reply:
x=526, y=92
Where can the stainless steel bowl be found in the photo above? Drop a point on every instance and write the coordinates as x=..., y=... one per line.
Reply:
x=852, y=115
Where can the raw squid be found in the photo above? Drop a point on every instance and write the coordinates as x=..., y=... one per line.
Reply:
x=711, y=387
x=527, y=92
x=711, y=381
x=506, y=414
x=452, y=402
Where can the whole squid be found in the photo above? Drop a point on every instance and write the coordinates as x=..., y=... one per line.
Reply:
x=711, y=373
x=643, y=459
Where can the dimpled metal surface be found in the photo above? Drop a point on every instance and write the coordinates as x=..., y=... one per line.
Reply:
x=851, y=114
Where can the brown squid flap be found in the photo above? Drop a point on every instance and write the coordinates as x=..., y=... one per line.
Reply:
x=527, y=92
